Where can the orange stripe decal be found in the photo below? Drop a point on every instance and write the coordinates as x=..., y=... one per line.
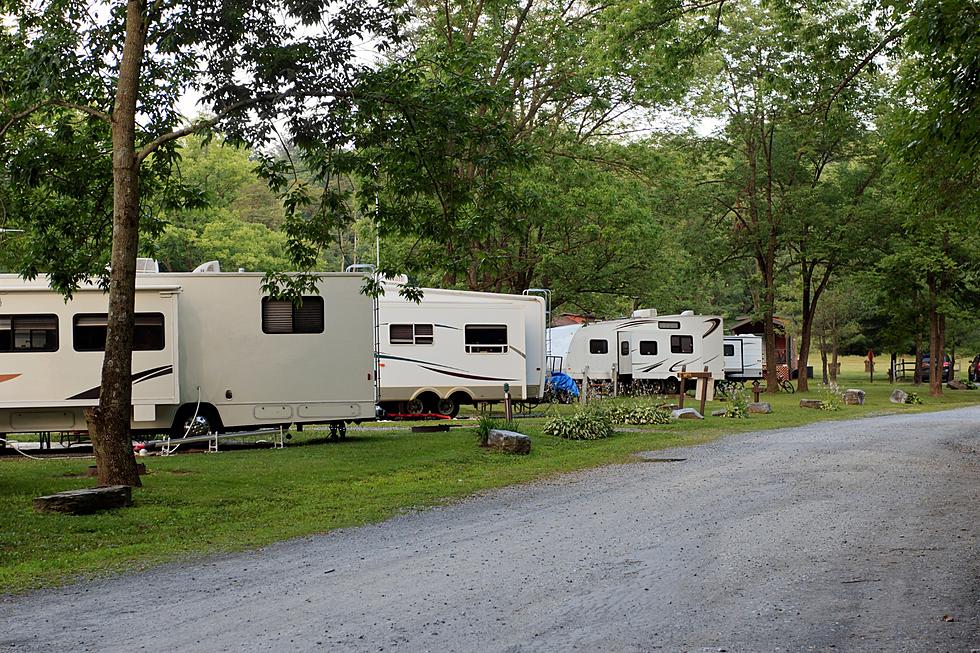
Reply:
x=7, y=377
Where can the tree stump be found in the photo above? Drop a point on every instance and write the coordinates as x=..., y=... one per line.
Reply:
x=811, y=403
x=86, y=501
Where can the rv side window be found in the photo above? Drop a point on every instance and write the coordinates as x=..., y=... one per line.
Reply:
x=648, y=348
x=598, y=346
x=280, y=316
x=410, y=334
x=681, y=344
x=729, y=350
x=668, y=325
x=486, y=338
x=89, y=332
x=624, y=348
x=28, y=333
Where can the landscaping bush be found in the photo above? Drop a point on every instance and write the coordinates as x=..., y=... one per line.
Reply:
x=833, y=397
x=483, y=428
x=588, y=424
x=913, y=398
x=634, y=413
x=738, y=403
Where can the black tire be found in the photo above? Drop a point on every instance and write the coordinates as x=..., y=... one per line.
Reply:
x=787, y=387
x=671, y=386
x=414, y=407
x=448, y=407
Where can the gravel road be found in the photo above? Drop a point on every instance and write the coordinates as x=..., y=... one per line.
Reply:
x=848, y=536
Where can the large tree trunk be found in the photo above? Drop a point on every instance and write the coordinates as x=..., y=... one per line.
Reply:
x=769, y=335
x=811, y=296
x=823, y=365
x=834, y=360
x=110, y=422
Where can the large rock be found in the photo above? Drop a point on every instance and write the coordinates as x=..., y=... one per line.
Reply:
x=87, y=501
x=956, y=385
x=898, y=397
x=760, y=407
x=811, y=403
x=719, y=413
x=686, y=413
x=509, y=441
x=854, y=397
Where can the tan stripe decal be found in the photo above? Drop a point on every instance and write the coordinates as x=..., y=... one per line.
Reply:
x=8, y=377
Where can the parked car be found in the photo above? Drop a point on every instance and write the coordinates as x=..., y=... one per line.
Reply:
x=947, y=368
x=973, y=373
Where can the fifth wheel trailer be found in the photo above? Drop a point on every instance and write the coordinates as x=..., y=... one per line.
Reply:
x=204, y=343
x=645, y=350
x=459, y=347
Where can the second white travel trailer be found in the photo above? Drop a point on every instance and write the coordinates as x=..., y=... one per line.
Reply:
x=459, y=347
x=206, y=344
x=743, y=357
x=646, y=351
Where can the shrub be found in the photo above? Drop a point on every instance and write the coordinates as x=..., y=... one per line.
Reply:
x=633, y=413
x=834, y=397
x=483, y=428
x=738, y=403
x=588, y=424
x=913, y=398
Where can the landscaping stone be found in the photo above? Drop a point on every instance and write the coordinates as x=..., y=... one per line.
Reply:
x=686, y=413
x=898, y=397
x=956, y=385
x=509, y=441
x=87, y=501
x=719, y=413
x=811, y=403
x=854, y=397
x=760, y=407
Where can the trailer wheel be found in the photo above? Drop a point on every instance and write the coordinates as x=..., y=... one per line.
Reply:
x=414, y=407
x=672, y=386
x=448, y=407
x=207, y=421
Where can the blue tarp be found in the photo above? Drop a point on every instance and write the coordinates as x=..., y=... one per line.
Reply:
x=561, y=382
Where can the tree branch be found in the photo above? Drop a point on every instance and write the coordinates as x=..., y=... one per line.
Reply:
x=17, y=117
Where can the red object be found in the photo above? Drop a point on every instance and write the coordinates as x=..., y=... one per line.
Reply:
x=871, y=355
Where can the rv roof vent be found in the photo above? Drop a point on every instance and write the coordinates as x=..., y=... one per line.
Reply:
x=398, y=279
x=210, y=266
x=147, y=265
x=645, y=312
x=687, y=313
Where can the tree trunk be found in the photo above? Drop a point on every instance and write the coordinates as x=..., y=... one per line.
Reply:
x=833, y=360
x=823, y=364
x=110, y=421
x=935, y=341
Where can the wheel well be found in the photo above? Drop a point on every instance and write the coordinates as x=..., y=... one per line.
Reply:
x=186, y=411
x=461, y=397
x=428, y=398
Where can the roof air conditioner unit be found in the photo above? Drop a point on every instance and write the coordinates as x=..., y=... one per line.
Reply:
x=645, y=312
x=145, y=265
x=210, y=266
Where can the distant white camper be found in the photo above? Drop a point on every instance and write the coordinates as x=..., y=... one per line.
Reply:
x=743, y=357
x=205, y=343
x=459, y=347
x=645, y=350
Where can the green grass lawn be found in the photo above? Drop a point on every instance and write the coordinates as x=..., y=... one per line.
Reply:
x=199, y=504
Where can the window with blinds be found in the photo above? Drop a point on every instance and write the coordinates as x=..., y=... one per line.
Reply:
x=681, y=344
x=279, y=316
x=410, y=334
x=89, y=332
x=23, y=333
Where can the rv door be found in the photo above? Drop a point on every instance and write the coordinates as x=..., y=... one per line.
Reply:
x=624, y=353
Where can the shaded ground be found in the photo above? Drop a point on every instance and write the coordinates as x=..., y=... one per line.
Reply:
x=858, y=535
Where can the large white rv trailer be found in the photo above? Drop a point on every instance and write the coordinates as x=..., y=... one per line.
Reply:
x=459, y=347
x=743, y=357
x=205, y=343
x=647, y=350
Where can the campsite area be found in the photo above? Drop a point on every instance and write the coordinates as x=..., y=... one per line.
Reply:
x=196, y=505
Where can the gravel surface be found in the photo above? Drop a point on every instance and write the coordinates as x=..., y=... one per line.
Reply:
x=858, y=535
